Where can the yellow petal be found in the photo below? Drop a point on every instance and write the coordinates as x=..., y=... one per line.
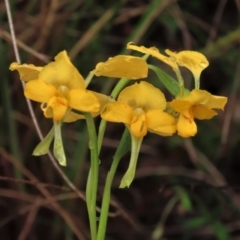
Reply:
x=143, y=95
x=201, y=112
x=180, y=105
x=186, y=126
x=123, y=66
x=62, y=72
x=138, y=126
x=161, y=123
x=27, y=72
x=72, y=117
x=63, y=56
x=194, y=61
x=216, y=102
x=47, y=112
x=83, y=100
x=198, y=96
x=103, y=100
x=39, y=91
x=55, y=108
x=117, y=112
x=205, y=98
x=153, y=52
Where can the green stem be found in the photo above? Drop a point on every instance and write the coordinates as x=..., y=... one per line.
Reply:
x=197, y=82
x=121, y=84
x=92, y=181
x=180, y=81
x=89, y=78
x=121, y=150
x=101, y=132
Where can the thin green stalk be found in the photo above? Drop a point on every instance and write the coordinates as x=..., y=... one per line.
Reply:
x=92, y=181
x=121, y=84
x=158, y=231
x=101, y=132
x=89, y=78
x=121, y=150
x=180, y=81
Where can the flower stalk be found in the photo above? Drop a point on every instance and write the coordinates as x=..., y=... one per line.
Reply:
x=121, y=150
x=92, y=181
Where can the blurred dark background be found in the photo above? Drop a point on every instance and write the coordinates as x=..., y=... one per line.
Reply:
x=184, y=188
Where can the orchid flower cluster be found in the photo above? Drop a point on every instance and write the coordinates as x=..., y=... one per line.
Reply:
x=142, y=107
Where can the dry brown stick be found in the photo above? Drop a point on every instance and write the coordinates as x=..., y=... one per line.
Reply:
x=172, y=171
x=8, y=193
x=180, y=21
x=41, y=202
x=198, y=158
x=45, y=193
x=216, y=21
x=231, y=106
x=48, y=23
x=46, y=185
x=238, y=8
x=128, y=13
x=6, y=36
x=197, y=21
x=29, y=222
x=91, y=32
x=157, y=11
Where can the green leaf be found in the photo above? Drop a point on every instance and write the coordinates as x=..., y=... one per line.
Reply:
x=170, y=83
x=184, y=198
x=196, y=222
x=220, y=231
x=43, y=147
x=58, y=150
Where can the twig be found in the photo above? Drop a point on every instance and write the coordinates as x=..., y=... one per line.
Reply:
x=231, y=106
x=180, y=21
x=91, y=32
x=29, y=222
x=5, y=35
x=216, y=21
x=44, y=191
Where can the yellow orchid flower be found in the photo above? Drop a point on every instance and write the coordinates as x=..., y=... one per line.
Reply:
x=59, y=87
x=140, y=107
x=194, y=61
x=122, y=66
x=198, y=104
